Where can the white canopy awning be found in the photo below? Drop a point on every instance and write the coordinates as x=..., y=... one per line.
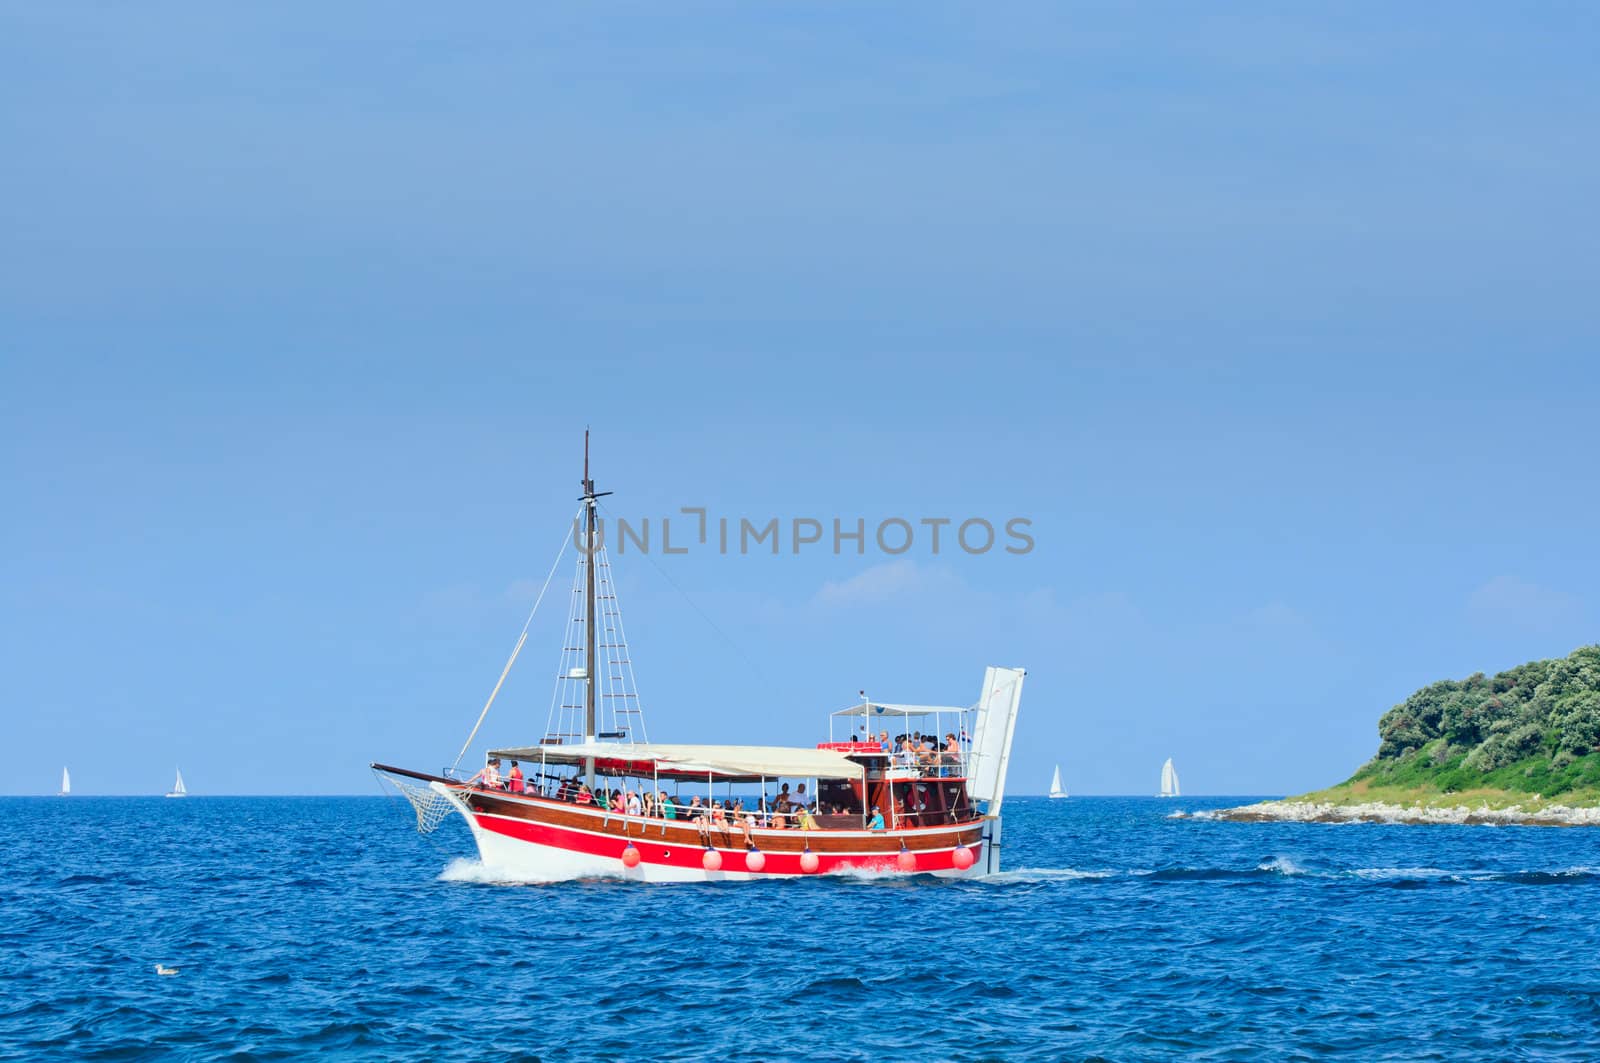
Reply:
x=876, y=709
x=723, y=762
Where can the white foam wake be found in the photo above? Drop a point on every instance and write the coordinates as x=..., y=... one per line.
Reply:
x=466, y=869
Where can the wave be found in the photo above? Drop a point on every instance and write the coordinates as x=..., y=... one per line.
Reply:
x=1381, y=874
x=1203, y=874
x=1046, y=874
x=1572, y=876
x=466, y=869
x=1282, y=865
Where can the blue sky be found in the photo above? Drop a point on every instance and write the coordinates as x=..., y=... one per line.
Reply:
x=1277, y=324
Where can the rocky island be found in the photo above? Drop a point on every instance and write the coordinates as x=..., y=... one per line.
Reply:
x=1521, y=747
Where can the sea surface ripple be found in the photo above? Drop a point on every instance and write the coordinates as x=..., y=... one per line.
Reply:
x=327, y=926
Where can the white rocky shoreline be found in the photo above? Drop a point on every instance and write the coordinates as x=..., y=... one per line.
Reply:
x=1381, y=812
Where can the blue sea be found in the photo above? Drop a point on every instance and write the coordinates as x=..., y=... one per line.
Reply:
x=328, y=927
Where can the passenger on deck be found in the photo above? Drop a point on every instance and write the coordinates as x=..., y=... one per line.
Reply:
x=747, y=822
x=952, y=755
x=806, y=822
x=800, y=800
x=905, y=758
x=514, y=779
x=634, y=806
x=585, y=795
x=669, y=807
x=883, y=742
x=489, y=777
x=783, y=798
x=876, y=822
x=697, y=811
x=619, y=804
x=564, y=790
x=778, y=821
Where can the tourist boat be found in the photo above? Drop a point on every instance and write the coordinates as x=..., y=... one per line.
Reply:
x=1056, y=790
x=1169, y=779
x=178, y=789
x=866, y=808
x=66, y=784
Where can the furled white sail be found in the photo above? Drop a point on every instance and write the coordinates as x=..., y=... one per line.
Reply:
x=1055, y=784
x=992, y=732
x=1169, y=779
x=178, y=789
x=66, y=783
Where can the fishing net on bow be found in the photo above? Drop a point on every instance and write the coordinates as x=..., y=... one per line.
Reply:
x=429, y=804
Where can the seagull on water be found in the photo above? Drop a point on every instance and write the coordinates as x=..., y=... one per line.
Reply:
x=165, y=970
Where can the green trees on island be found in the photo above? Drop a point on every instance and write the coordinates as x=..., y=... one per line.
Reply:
x=1534, y=729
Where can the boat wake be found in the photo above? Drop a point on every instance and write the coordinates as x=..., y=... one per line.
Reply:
x=1045, y=874
x=465, y=869
x=1280, y=868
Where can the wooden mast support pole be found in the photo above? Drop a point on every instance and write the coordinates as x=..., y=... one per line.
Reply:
x=589, y=499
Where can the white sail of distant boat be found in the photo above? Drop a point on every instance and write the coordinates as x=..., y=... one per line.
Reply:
x=1055, y=784
x=66, y=784
x=178, y=789
x=1169, y=779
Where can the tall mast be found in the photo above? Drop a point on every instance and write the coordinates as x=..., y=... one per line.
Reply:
x=591, y=544
x=589, y=602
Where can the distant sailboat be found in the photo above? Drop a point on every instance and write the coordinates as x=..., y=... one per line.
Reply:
x=178, y=789
x=1055, y=784
x=66, y=784
x=1169, y=779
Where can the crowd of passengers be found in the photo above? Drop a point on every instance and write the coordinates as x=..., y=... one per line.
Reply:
x=784, y=811
x=917, y=750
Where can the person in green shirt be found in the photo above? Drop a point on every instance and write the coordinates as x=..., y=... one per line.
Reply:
x=669, y=807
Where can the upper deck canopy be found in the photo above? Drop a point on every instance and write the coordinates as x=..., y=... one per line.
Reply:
x=729, y=763
x=878, y=709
